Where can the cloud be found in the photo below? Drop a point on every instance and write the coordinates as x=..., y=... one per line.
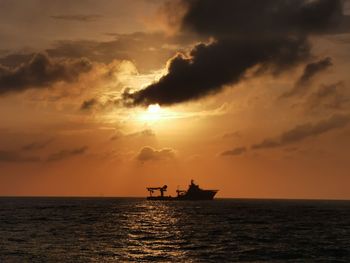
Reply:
x=148, y=51
x=269, y=36
x=304, y=131
x=235, y=151
x=99, y=105
x=14, y=157
x=144, y=133
x=210, y=66
x=37, y=145
x=40, y=71
x=116, y=136
x=88, y=104
x=310, y=71
x=150, y=154
x=267, y=143
x=329, y=96
x=15, y=59
x=80, y=18
x=229, y=135
x=296, y=134
x=67, y=153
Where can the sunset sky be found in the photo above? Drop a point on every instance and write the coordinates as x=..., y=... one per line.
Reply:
x=105, y=98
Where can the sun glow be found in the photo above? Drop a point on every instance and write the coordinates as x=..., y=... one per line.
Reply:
x=153, y=109
x=153, y=113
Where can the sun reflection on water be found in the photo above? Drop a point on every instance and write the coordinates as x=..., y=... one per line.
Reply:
x=153, y=232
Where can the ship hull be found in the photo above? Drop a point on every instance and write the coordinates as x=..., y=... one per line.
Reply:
x=202, y=195
x=160, y=198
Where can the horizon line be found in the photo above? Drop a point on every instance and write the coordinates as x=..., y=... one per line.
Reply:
x=143, y=197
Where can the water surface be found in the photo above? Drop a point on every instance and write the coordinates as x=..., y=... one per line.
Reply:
x=136, y=230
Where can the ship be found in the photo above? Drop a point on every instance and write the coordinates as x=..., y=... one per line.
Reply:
x=194, y=192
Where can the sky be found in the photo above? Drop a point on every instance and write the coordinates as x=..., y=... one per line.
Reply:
x=106, y=98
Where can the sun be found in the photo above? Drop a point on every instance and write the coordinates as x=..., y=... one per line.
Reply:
x=153, y=113
x=153, y=109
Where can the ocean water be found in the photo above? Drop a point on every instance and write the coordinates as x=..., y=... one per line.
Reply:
x=136, y=230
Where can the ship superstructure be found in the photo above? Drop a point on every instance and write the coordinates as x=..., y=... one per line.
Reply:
x=194, y=192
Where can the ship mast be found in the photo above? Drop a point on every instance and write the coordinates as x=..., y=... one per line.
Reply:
x=160, y=189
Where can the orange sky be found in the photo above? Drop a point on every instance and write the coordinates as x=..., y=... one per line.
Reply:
x=69, y=135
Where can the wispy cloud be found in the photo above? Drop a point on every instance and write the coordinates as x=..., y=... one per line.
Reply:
x=15, y=157
x=309, y=73
x=78, y=17
x=235, y=151
x=37, y=145
x=330, y=96
x=146, y=133
x=67, y=153
x=307, y=130
x=296, y=134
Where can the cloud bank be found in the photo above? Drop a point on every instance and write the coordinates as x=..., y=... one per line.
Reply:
x=296, y=134
x=77, y=17
x=269, y=36
x=67, y=153
x=41, y=71
x=305, y=131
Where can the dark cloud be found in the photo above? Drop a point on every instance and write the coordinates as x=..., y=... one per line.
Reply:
x=211, y=66
x=14, y=157
x=15, y=59
x=344, y=26
x=271, y=35
x=99, y=105
x=37, y=145
x=80, y=18
x=67, y=153
x=117, y=136
x=235, y=151
x=305, y=131
x=313, y=68
x=40, y=71
x=88, y=104
x=260, y=18
x=150, y=154
x=310, y=71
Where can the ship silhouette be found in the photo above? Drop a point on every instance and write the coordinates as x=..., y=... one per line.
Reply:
x=194, y=192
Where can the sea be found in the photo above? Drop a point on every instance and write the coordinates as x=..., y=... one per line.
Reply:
x=137, y=230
